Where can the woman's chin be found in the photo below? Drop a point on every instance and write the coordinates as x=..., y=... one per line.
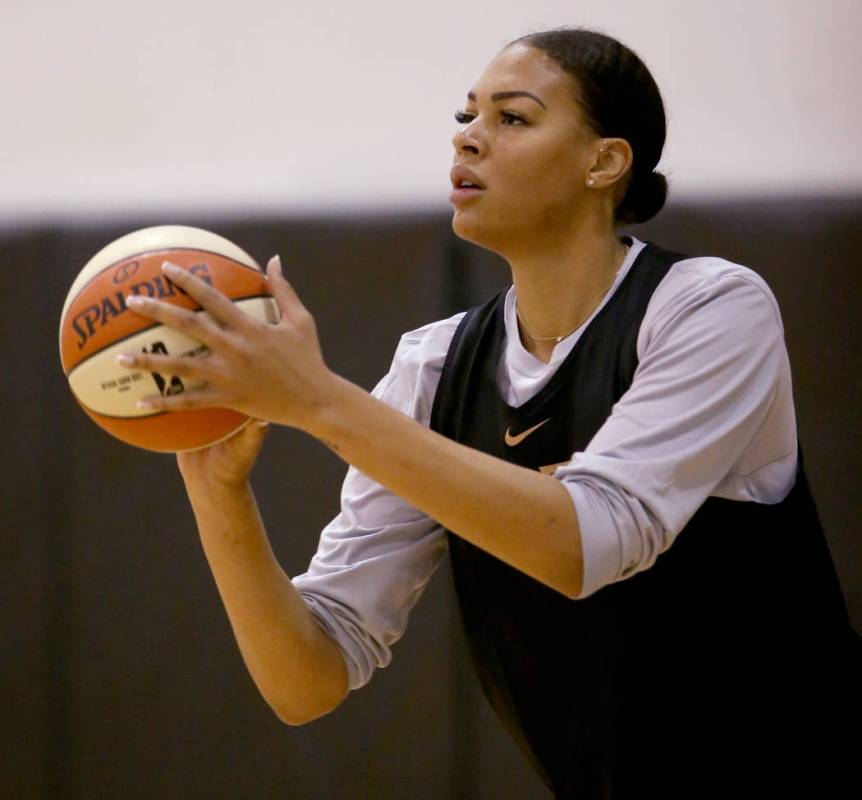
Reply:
x=467, y=226
x=472, y=229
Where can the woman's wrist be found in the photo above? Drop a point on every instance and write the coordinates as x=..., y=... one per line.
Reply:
x=226, y=513
x=332, y=409
x=210, y=488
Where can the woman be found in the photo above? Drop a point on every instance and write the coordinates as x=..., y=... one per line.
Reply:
x=618, y=479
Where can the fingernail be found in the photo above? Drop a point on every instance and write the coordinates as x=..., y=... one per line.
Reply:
x=125, y=360
x=168, y=267
x=134, y=301
x=144, y=404
x=277, y=260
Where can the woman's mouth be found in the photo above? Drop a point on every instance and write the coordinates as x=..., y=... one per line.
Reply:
x=466, y=185
x=460, y=194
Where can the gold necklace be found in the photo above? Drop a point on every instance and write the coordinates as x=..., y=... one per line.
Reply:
x=592, y=308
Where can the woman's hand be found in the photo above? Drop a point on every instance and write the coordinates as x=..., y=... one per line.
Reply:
x=225, y=464
x=270, y=372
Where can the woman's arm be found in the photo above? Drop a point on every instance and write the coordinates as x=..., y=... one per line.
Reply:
x=297, y=667
x=519, y=515
x=277, y=372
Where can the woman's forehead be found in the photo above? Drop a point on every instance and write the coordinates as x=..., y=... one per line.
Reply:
x=523, y=69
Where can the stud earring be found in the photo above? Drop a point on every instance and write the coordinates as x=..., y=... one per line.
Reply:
x=590, y=182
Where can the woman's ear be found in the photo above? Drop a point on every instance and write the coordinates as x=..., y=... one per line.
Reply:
x=612, y=162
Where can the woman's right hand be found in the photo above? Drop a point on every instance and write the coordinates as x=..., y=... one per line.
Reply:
x=227, y=463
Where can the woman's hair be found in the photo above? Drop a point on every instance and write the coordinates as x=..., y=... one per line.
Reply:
x=620, y=99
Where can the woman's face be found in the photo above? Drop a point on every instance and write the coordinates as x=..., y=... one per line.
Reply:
x=523, y=138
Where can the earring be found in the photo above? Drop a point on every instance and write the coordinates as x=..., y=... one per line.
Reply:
x=590, y=182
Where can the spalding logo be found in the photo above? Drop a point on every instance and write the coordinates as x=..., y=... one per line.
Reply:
x=102, y=312
x=125, y=271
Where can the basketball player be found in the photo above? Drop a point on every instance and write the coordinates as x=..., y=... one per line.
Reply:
x=607, y=450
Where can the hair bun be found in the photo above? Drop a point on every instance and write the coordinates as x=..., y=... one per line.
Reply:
x=645, y=197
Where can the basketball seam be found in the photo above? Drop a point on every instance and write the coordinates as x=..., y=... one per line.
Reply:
x=151, y=327
x=128, y=419
x=144, y=253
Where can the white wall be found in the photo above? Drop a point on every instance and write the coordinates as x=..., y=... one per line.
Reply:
x=111, y=107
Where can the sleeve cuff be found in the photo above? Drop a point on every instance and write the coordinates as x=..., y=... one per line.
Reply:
x=357, y=676
x=600, y=542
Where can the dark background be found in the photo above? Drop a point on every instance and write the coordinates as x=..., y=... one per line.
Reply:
x=118, y=671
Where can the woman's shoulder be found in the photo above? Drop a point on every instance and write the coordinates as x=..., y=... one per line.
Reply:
x=724, y=286
x=428, y=344
x=710, y=270
x=413, y=377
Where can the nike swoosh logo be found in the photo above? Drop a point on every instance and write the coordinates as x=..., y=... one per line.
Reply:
x=513, y=440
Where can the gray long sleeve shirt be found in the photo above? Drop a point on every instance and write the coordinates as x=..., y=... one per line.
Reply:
x=709, y=413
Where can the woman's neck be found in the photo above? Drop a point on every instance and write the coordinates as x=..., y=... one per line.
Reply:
x=559, y=285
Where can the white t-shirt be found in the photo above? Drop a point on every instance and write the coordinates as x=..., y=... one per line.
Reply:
x=709, y=413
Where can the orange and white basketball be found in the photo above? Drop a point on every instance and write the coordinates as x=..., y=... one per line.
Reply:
x=96, y=326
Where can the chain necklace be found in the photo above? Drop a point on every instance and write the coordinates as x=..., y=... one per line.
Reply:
x=562, y=336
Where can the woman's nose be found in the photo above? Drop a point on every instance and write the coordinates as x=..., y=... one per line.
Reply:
x=468, y=139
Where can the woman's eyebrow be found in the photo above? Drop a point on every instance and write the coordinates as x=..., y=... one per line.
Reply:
x=497, y=96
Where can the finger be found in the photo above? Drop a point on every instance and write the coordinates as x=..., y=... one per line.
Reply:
x=285, y=297
x=181, y=366
x=256, y=429
x=183, y=401
x=195, y=324
x=220, y=307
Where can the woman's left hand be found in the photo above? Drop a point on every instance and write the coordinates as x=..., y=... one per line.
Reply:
x=271, y=372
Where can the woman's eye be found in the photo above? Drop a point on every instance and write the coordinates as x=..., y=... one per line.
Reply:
x=512, y=119
x=464, y=117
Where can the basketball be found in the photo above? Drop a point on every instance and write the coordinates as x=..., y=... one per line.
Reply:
x=96, y=326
